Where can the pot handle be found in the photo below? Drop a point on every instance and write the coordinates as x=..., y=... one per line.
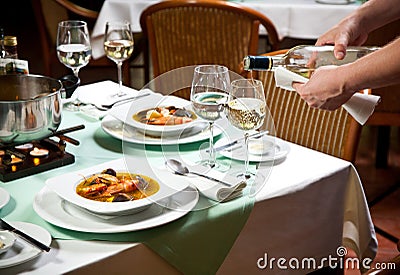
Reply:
x=69, y=85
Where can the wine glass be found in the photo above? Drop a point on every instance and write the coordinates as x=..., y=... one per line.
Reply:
x=246, y=110
x=73, y=48
x=209, y=94
x=118, y=45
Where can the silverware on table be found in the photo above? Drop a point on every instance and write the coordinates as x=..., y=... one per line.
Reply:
x=230, y=144
x=105, y=107
x=180, y=169
x=38, y=244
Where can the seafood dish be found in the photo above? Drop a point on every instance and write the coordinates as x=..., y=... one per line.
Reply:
x=112, y=186
x=165, y=116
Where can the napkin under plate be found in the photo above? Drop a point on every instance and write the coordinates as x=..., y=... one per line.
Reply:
x=360, y=106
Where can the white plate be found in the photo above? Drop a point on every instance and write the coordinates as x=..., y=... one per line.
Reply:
x=66, y=215
x=116, y=128
x=4, y=197
x=238, y=151
x=125, y=113
x=336, y=2
x=65, y=186
x=23, y=251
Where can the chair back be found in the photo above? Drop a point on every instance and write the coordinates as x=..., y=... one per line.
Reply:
x=48, y=13
x=332, y=132
x=187, y=32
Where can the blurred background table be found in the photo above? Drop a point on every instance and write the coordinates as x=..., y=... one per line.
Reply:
x=297, y=19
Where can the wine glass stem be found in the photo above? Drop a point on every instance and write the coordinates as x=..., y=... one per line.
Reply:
x=119, y=66
x=211, y=158
x=246, y=163
x=76, y=72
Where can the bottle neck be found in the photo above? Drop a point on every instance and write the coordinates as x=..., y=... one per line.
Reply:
x=262, y=63
x=277, y=61
x=2, y=49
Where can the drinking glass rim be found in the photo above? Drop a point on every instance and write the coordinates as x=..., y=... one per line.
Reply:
x=72, y=23
x=198, y=68
x=120, y=23
x=253, y=83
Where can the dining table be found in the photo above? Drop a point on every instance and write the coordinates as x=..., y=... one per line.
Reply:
x=297, y=19
x=304, y=206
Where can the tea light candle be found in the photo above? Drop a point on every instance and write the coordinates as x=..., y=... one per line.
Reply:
x=36, y=152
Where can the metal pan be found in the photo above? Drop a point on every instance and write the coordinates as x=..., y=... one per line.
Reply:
x=30, y=107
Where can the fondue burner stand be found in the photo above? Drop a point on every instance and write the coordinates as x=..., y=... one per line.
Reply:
x=18, y=161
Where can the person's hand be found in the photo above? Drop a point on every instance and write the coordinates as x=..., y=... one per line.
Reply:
x=325, y=89
x=347, y=32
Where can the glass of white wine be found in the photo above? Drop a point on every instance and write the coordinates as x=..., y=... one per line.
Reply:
x=209, y=94
x=73, y=48
x=246, y=110
x=118, y=45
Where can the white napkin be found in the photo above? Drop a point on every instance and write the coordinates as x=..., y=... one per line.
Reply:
x=212, y=189
x=100, y=93
x=359, y=106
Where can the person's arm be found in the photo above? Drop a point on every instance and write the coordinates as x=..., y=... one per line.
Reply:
x=354, y=29
x=331, y=86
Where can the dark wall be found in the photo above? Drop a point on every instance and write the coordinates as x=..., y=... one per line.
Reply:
x=18, y=20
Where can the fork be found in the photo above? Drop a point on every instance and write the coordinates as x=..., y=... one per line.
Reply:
x=105, y=107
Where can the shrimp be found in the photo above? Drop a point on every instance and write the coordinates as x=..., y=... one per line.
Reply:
x=125, y=185
x=93, y=188
x=171, y=120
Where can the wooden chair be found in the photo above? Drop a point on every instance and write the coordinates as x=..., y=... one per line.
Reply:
x=49, y=12
x=188, y=32
x=332, y=132
x=387, y=112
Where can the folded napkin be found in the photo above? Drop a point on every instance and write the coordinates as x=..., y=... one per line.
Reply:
x=98, y=94
x=212, y=189
x=359, y=106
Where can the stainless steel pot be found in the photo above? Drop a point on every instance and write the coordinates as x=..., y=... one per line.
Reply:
x=30, y=107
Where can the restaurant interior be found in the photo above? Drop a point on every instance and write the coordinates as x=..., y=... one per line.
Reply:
x=377, y=157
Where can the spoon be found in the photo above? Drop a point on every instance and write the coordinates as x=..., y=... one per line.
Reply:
x=180, y=169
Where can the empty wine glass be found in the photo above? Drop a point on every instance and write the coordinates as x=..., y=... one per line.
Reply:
x=209, y=94
x=246, y=110
x=118, y=45
x=73, y=48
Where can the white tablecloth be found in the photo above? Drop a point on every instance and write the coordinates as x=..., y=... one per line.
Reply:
x=304, y=19
x=310, y=205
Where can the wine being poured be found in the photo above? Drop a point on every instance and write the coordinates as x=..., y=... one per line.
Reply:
x=305, y=59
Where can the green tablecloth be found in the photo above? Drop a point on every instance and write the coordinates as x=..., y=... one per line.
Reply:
x=194, y=244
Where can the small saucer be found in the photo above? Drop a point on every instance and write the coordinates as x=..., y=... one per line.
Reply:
x=4, y=197
x=261, y=146
x=7, y=240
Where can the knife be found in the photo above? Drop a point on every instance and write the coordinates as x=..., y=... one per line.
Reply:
x=28, y=238
x=230, y=144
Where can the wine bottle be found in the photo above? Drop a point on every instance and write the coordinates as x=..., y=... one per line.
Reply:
x=10, y=46
x=304, y=59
